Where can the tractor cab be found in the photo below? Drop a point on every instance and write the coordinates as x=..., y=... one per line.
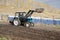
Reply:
x=20, y=14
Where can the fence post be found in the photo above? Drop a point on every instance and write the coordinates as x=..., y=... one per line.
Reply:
x=54, y=22
x=7, y=17
x=1, y=17
x=40, y=21
x=47, y=23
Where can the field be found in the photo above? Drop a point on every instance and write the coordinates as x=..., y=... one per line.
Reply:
x=38, y=32
x=10, y=32
x=41, y=32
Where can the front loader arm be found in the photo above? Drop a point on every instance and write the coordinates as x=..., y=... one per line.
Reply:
x=30, y=12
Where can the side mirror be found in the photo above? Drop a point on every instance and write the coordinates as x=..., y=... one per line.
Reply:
x=39, y=10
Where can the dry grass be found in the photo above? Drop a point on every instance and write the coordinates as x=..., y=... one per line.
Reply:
x=57, y=26
x=48, y=12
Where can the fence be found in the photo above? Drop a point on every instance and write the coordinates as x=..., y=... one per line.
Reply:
x=37, y=20
x=3, y=17
x=46, y=21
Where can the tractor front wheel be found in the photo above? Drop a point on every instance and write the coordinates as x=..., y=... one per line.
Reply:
x=27, y=24
x=32, y=24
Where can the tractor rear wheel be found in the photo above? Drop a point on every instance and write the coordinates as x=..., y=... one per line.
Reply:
x=16, y=22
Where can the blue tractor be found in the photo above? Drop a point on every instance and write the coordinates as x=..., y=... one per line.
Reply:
x=23, y=18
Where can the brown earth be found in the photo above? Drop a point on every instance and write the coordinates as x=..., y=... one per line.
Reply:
x=22, y=33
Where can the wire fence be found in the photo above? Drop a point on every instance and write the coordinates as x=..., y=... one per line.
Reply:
x=38, y=21
x=3, y=17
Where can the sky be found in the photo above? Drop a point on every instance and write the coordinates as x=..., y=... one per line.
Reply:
x=52, y=3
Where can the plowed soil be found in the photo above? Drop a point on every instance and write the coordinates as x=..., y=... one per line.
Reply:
x=22, y=33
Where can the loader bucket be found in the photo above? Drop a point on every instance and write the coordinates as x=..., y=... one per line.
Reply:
x=39, y=10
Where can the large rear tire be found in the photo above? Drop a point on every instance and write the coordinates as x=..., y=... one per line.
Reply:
x=16, y=22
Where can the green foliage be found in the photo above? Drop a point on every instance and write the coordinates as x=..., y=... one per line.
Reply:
x=58, y=26
x=3, y=38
